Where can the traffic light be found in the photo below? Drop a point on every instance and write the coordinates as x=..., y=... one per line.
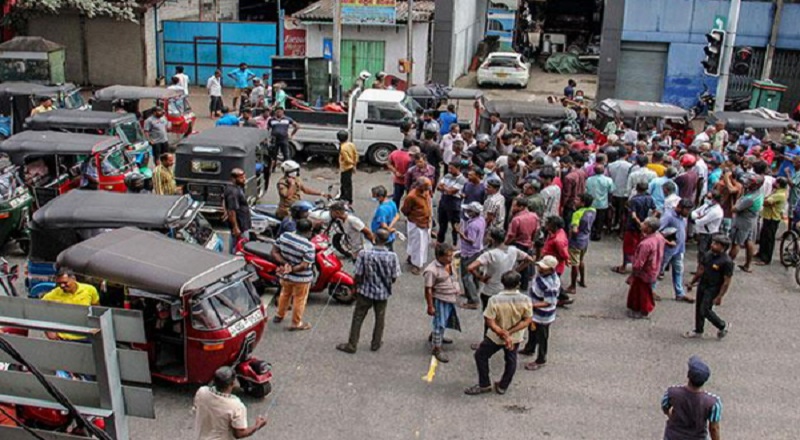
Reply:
x=742, y=59
x=713, y=51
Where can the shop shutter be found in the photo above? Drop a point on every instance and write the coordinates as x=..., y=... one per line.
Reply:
x=640, y=73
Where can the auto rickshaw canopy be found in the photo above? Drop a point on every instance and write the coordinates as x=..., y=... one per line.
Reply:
x=114, y=93
x=42, y=143
x=149, y=261
x=532, y=114
x=33, y=89
x=233, y=147
x=640, y=109
x=738, y=121
x=84, y=209
x=78, y=119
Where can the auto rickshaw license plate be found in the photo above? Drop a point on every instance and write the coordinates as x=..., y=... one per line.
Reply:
x=244, y=324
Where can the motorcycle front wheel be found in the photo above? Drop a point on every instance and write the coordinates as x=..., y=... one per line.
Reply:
x=343, y=294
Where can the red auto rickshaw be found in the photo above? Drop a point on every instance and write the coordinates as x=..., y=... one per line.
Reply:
x=128, y=98
x=200, y=308
x=52, y=162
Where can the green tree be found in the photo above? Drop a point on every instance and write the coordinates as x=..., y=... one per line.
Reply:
x=117, y=9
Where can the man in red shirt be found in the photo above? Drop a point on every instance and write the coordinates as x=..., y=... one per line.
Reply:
x=522, y=232
x=399, y=162
x=557, y=245
x=646, y=266
x=574, y=184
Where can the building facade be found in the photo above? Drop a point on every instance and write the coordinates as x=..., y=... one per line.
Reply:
x=459, y=28
x=652, y=49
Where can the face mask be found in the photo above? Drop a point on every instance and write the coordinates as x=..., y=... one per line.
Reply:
x=376, y=200
x=589, y=142
x=487, y=171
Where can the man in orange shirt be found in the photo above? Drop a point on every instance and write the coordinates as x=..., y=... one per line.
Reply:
x=418, y=209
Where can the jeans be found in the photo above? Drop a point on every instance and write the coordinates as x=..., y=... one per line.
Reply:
x=363, y=304
x=766, y=241
x=282, y=145
x=298, y=294
x=346, y=184
x=538, y=339
x=677, y=272
x=397, y=194
x=704, y=309
x=448, y=216
x=468, y=280
x=485, y=351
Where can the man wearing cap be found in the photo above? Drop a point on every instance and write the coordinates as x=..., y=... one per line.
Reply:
x=494, y=208
x=418, y=210
x=692, y=413
x=544, y=294
x=470, y=233
x=482, y=152
x=646, y=266
x=713, y=277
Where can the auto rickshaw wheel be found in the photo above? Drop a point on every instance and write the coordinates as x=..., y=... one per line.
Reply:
x=343, y=294
x=257, y=390
x=24, y=245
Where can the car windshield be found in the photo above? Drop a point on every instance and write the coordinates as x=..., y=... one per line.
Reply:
x=132, y=132
x=224, y=307
x=74, y=100
x=199, y=231
x=114, y=162
x=9, y=183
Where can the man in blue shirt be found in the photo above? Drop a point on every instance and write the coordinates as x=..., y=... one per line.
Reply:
x=241, y=78
x=386, y=215
x=676, y=245
x=786, y=169
x=227, y=118
x=656, y=187
x=446, y=119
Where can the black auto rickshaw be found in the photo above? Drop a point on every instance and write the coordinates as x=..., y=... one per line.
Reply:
x=80, y=215
x=15, y=206
x=643, y=115
x=468, y=102
x=200, y=308
x=204, y=161
x=535, y=115
x=18, y=99
x=738, y=121
x=122, y=125
x=128, y=98
x=53, y=163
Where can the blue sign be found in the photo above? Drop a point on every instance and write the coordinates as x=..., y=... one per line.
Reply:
x=327, y=49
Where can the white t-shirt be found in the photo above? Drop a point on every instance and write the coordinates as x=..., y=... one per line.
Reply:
x=216, y=415
x=183, y=81
x=352, y=228
x=496, y=262
x=214, y=86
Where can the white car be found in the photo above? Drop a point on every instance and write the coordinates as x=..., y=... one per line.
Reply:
x=503, y=69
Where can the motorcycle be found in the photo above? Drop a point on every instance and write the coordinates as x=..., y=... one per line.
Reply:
x=705, y=103
x=327, y=269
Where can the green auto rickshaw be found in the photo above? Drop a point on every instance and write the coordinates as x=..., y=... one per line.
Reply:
x=15, y=206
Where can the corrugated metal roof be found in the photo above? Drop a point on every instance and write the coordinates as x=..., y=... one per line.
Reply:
x=323, y=11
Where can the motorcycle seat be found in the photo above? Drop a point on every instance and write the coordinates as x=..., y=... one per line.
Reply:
x=259, y=248
x=268, y=210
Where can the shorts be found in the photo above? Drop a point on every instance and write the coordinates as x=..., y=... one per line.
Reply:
x=576, y=256
x=740, y=236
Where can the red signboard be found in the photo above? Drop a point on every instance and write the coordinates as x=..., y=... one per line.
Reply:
x=294, y=42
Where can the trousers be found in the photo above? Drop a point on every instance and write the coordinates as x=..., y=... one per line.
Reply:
x=704, y=309
x=346, y=184
x=485, y=351
x=537, y=342
x=363, y=304
x=766, y=241
x=451, y=217
x=468, y=280
x=298, y=294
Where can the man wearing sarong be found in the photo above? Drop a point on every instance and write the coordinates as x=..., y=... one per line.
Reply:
x=646, y=265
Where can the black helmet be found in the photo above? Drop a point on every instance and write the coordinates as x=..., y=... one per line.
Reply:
x=134, y=182
x=343, y=135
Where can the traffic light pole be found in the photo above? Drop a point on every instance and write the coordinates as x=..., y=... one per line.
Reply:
x=727, y=54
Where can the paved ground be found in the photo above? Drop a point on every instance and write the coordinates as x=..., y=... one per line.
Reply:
x=604, y=378
x=541, y=85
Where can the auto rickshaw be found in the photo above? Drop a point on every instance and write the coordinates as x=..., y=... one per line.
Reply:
x=80, y=215
x=18, y=99
x=435, y=96
x=533, y=114
x=128, y=98
x=204, y=161
x=738, y=121
x=53, y=163
x=643, y=116
x=122, y=125
x=15, y=206
x=200, y=308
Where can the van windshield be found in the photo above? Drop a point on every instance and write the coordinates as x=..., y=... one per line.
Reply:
x=221, y=309
x=132, y=132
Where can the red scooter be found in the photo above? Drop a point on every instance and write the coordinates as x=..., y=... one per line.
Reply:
x=328, y=272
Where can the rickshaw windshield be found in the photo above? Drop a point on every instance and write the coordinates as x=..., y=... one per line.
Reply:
x=410, y=104
x=199, y=231
x=224, y=307
x=74, y=100
x=132, y=132
x=113, y=162
x=178, y=106
x=9, y=183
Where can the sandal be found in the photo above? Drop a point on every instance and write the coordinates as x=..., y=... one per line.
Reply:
x=746, y=269
x=533, y=366
x=617, y=269
x=301, y=327
x=477, y=389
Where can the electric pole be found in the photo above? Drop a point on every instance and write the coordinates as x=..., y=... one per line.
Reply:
x=727, y=54
x=336, y=79
x=410, y=44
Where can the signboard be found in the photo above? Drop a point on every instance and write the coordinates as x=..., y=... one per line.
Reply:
x=327, y=49
x=720, y=22
x=369, y=12
x=294, y=39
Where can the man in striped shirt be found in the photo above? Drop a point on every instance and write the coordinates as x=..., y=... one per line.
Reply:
x=295, y=254
x=544, y=295
x=692, y=413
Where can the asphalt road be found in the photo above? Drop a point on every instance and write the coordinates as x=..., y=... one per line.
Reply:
x=604, y=378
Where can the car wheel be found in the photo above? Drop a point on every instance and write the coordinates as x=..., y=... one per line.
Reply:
x=378, y=154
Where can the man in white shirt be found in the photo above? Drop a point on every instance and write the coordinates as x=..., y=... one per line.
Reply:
x=183, y=79
x=707, y=220
x=220, y=415
x=257, y=96
x=446, y=143
x=704, y=137
x=214, y=87
x=618, y=172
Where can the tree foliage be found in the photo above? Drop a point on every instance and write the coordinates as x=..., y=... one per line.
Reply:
x=117, y=9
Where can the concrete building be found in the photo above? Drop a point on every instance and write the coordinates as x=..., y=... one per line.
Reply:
x=652, y=49
x=370, y=47
x=459, y=27
x=103, y=51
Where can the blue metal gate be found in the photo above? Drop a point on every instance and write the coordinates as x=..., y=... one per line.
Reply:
x=202, y=47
